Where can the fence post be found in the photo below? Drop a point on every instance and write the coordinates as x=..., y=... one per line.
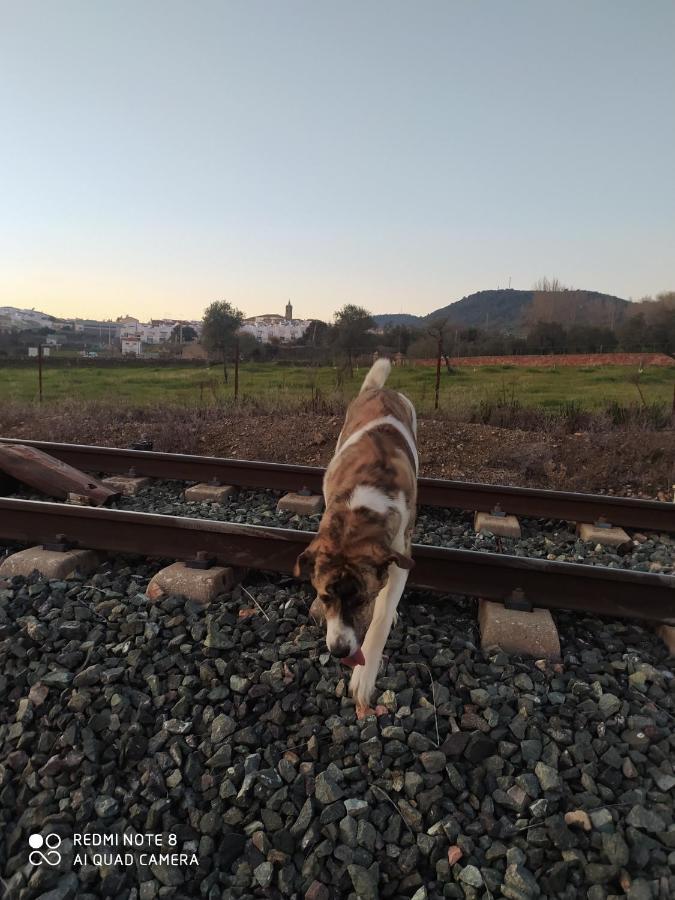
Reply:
x=236, y=369
x=40, y=370
x=438, y=370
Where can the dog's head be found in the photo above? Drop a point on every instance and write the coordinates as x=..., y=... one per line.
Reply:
x=347, y=583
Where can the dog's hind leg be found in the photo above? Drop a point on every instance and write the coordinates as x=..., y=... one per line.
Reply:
x=363, y=678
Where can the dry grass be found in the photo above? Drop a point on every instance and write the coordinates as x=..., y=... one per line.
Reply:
x=514, y=446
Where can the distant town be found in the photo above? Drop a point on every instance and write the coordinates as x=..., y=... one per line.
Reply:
x=547, y=319
x=128, y=336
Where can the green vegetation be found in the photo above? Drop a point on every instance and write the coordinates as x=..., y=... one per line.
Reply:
x=276, y=385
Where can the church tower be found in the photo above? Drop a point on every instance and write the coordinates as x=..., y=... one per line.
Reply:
x=289, y=311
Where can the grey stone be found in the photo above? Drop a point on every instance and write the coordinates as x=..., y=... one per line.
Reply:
x=608, y=705
x=433, y=760
x=365, y=885
x=326, y=790
x=222, y=727
x=549, y=779
x=646, y=819
x=472, y=876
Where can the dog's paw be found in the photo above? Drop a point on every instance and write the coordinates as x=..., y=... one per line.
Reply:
x=362, y=685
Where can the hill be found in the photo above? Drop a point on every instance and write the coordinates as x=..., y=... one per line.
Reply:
x=397, y=319
x=514, y=311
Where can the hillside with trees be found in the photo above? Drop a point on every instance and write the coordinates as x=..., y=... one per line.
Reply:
x=516, y=311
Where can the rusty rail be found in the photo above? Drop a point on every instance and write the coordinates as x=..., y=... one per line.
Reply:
x=599, y=590
x=467, y=495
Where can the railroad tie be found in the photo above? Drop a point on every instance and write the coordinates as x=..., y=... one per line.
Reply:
x=301, y=504
x=129, y=485
x=199, y=584
x=209, y=493
x=518, y=632
x=602, y=533
x=51, y=564
x=498, y=523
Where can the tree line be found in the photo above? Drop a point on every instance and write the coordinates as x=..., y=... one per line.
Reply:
x=649, y=328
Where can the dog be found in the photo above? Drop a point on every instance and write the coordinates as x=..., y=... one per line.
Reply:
x=359, y=560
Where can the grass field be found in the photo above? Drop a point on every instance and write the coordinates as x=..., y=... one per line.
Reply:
x=272, y=385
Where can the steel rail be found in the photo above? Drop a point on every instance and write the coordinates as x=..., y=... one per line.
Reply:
x=495, y=576
x=547, y=504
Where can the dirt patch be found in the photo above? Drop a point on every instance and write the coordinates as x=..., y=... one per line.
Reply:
x=641, y=463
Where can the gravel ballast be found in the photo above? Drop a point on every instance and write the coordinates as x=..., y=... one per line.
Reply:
x=229, y=732
x=541, y=539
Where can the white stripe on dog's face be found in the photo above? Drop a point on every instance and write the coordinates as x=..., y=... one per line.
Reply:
x=340, y=638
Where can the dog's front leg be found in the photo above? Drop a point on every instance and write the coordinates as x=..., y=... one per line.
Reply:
x=363, y=678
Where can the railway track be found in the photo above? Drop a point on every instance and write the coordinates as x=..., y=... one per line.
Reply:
x=624, y=511
x=519, y=581
x=494, y=576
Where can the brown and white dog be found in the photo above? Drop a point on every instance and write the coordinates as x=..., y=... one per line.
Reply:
x=359, y=560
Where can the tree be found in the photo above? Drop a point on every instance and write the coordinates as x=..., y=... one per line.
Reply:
x=219, y=327
x=547, y=337
x=317, y=334
x=351, y=324
x=439, y=330
x=548, y=285
x=247, y=345
x=183, y=334
x=633, y=333
x=399, y=337
x=423, y=347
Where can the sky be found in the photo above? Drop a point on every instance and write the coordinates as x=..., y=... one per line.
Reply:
x=158, y=155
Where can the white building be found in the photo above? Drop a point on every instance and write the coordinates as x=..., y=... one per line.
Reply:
x=157, y=331
x=147, y=333
x=12, y=317
x=283, y=328
x=131, y=346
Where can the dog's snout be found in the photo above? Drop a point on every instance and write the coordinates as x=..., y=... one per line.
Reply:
x=339, y=650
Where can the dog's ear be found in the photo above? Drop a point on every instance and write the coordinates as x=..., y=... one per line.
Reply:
x=304, y=563
x=384, y=556
x=402, y=561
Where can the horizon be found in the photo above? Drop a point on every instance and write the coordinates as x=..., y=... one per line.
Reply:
x=310, y=317
x=371, y=155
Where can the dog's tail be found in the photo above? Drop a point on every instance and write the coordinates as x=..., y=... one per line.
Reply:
x=378, y=374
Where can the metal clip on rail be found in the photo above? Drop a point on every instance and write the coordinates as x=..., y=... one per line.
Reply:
x=601, y=522
x=518, y=600
x=60, y=545
x=201, y=561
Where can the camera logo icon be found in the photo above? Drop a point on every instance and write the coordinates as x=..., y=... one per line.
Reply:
x=51, y=856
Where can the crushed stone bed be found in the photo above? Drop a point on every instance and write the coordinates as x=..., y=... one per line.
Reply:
x=230, y=729
x=541, y=539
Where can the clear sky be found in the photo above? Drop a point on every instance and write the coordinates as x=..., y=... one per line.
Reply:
x=157, y=155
